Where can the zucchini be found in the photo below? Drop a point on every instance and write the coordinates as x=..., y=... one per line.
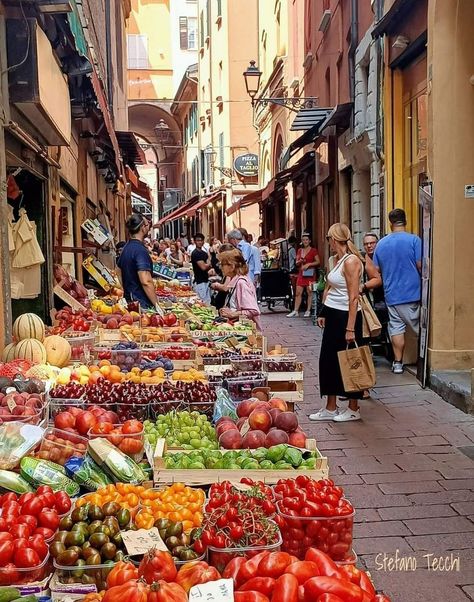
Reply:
x=8, y=594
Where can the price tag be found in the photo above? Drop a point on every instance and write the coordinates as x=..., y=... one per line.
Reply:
x=244, y=429
x=11, y=404
x=232, y=342
x=213, y=591
x=142, y=540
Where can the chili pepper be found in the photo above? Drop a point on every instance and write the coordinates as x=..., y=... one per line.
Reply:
x=327, y=566
x=346, y=590
x=286, y=589
x=264, y=585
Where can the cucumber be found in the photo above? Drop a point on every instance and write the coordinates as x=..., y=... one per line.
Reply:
x=8, y=594
x=11, y=481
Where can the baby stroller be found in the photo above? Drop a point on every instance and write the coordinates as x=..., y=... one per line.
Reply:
x=275, y=282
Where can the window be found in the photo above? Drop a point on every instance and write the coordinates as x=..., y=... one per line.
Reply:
x=185, y=131
x=188, y=33
x=201, y=27
x=219, y=8
x=221, y=149
x=137, y=51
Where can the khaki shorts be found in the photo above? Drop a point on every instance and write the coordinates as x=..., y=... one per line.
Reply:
x=403, y=316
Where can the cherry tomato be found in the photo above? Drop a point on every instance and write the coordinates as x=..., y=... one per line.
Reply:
x=237, y=532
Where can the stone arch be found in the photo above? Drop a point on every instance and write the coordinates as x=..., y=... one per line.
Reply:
x=278, y=145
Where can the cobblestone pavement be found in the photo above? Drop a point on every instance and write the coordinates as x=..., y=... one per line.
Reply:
x=408, y=468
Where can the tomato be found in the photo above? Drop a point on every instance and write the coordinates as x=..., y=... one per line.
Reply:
x=346, y=590
x=32, y=506
x=24, y=497
x=132, y=591
x=303, y=570
x=250, y=568
x=250, y=597
x=102, y=428
x=130, y=446
x=350, y=572
x=366, y=584
x=162, y=591
x=11, y=507
x=264, y=585
x=9, y=575
x=132, y=427
x=121, y=573
x=26, y=558
x=20, y=531
x=3, y=525
x=38, y=544
x=63, y=502
x=274, y=565
x=46, y=533
x=329, y=598
x=4, y=536
x=44, y=489
x=20, y=543
x=49, y=519
x=286, y=589
x=232, y=569
x=9, y=497
x=48, y=499
x=326, y=565
x=27, y=519
x=157, y=565
x=195, y=573
x=6, y=552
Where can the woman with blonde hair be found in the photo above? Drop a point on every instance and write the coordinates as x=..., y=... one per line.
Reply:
x=341, y=320
x=241, y=298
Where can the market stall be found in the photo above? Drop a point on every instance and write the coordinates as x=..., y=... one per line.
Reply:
x=158, y=456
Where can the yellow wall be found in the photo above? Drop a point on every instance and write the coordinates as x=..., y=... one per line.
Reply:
x=152, y=19
x=451, y=166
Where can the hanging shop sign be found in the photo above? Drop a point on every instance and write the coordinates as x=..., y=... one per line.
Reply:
x=246, y=165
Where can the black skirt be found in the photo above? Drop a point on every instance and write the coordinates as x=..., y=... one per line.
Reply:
x=334, y=340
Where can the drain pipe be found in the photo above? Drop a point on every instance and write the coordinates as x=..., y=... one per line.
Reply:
x=353, y=45
x=380, y=73
x=108, y=48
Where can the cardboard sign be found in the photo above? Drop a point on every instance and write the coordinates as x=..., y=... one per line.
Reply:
x=213, y=591
x=11, y=404
x=143, y=540
x=244, y=429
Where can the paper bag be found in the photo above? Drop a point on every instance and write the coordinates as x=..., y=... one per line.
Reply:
x=371, y=326
x=357, y=368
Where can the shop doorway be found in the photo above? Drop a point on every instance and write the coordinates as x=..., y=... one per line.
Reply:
x=33, y=199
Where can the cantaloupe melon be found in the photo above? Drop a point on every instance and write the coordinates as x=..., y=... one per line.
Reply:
x=58, y=351
x=28, y=326
x=32, y=350
x=8, y=353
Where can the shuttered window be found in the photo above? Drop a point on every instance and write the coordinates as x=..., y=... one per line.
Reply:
x=221, y=149
x=201, y=27
x=219, y=8
x=137, y=51
x=192, y=33
x=183, y=33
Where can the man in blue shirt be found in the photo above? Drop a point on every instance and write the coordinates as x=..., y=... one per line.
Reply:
x=398, y=258
x=236, y=238
x=255, y=261
x=136, y=267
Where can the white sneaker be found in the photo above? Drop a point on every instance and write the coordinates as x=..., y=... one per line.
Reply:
x=347, y=415
x=307, y=314
x=292, y=314
x=397, y=367
x=323, y=414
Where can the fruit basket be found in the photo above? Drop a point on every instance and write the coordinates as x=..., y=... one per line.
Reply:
x=203, y=407
x=157, y=407
x=282, y=363
x=246, y=363
x=220, y=557
x=128, y=411
x=131, y=444
x=58, y=446
x=240, y=387
x=10, y=575
x=82, y=345
x=332, y=535
x=86, y=574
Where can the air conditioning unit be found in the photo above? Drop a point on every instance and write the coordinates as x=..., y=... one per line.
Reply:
x=325, y=20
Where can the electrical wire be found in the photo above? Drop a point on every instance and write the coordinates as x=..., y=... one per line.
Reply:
x=22, y=62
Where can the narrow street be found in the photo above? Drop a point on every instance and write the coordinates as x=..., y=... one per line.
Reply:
x=408, y=469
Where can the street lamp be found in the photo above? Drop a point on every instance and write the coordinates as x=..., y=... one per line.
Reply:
x=252, y=76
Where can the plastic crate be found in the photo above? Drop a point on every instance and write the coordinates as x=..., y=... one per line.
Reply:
x=58, y=446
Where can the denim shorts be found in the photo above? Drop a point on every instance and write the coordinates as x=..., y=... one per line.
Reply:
x=403, y=316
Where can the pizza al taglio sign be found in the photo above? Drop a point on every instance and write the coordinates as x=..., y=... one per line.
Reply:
x=246, y=165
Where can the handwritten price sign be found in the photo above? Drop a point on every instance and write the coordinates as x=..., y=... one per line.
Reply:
x=139, y=542
x=214, y=591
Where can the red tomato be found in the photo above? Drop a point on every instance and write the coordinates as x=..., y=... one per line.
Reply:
x=4, y=536
x=33, y=506
x=11, y=507
x=49, y=519
x=27, y=519
x=63, y=502
x=131, y=427
x=39, y=545
x=9, y=575
x=46, y=533
x=19, y=531
x=48, y=499
x=9, y=497
x=6, y=552
x=24, y=497
x=44, y=489
x=3, y=525
x=20, y=543
x=26, y=558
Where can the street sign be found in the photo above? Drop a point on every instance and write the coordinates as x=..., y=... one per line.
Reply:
x=246, y=165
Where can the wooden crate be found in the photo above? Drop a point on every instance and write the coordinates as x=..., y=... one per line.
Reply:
x=288, y=391
x=197, y=477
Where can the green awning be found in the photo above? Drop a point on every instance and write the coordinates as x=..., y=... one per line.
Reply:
x=77, y=31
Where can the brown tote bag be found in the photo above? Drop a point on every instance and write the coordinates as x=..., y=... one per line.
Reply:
x=357, y=368
x=371, y=326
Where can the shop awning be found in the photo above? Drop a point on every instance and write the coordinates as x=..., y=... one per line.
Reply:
x=391, y=20
x=340, y=116
x=249, y=199
x=257, y=196
x=204, y=202
x=179, y=212
x=308, y=118
x=131, y=149
x=104, y=107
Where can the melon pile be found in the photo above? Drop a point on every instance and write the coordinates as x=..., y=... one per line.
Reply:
x=32, y=345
